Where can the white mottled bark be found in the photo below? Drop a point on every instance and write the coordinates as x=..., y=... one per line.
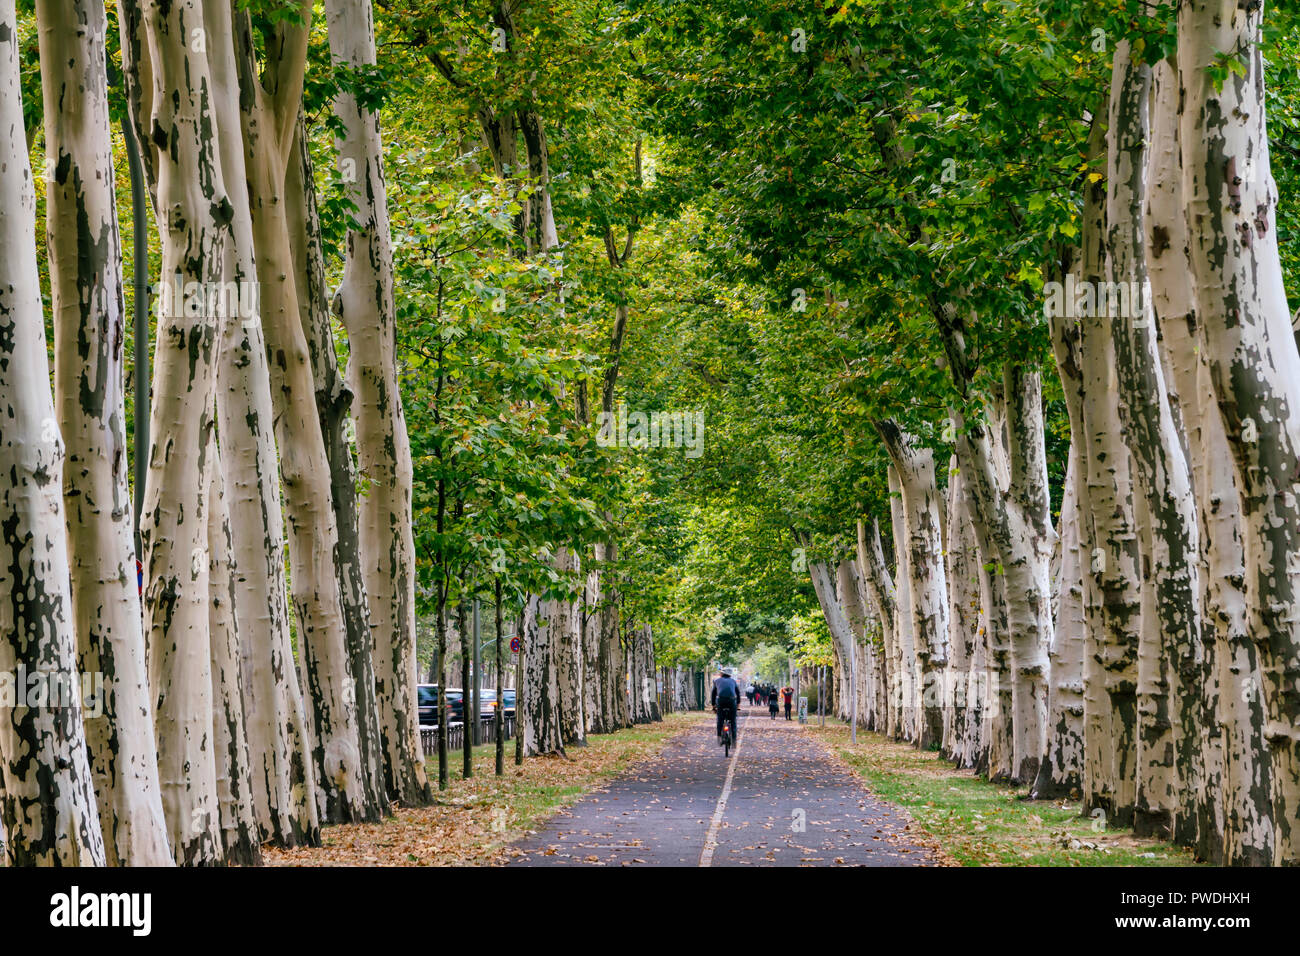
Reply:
x=1114, y=565
x=963, y=620
x=282, y=776
x=365, y=304
x=47, y=797
x=1169, y=681
x=614, y=694
x=865, y=627
x=981, y=453
x=89, y=331
x=1067, y=344
x=538, y=698
x=233, y=767
x=840, y=620
x=269, y=110
x=645, y=702
x=922, y=537
x=333, y=403
x=1061, y=772
x=1231, y=203
x=904, y=634
x=566, y=630
x=1005, y=472
x=1110, y=669
x=880, y=592
x=589, y=632
x=193, y=213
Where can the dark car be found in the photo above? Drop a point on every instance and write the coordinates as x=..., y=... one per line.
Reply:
x=428, y=704
x=489, y=698
x=456, y=704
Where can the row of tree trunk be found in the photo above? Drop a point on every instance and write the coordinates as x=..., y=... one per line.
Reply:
x=1143, y=658
x=206, y=741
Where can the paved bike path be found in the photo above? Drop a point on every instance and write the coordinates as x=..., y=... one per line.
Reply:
x=788, y=804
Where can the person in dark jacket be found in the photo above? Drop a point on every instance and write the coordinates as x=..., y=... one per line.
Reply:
x=725, y=700
x=773, y=702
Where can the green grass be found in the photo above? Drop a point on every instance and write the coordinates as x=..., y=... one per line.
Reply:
x=978, y=823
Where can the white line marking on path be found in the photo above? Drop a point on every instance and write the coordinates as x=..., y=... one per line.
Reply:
x=711, y=840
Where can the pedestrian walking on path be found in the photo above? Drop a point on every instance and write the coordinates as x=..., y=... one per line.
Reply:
x=772, y=704
x=788, y=693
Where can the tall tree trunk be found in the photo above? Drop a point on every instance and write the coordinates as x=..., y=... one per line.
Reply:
x=1231, y=203
x=537, y=701
x=520, y=665
x=904, y=657
x=333, y=404
x=1005, y=472
x=47, y=796
x=982, y=457
x=853, y=602
x=1111, y=656
x=1067, y=344
x=645, y=701
x=881, y=592
x=237, y=817
x=1114, y=565
x=273, y=718
x=1060, y=773
x=614, y=695
x=923, y=540
x=85, y=258
x=592, y=678
x=963, y=618
x=469, y=717
x=566, y=645
x=500, y=724
x=1235, y=825
x=1171, y=646
x=365, y=304
x=842, y=619
x=269, y=101
x=194, y=214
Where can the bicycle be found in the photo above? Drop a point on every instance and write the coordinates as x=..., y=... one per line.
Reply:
x=727, y=736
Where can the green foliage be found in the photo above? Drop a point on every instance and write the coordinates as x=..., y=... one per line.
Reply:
x=811, y=640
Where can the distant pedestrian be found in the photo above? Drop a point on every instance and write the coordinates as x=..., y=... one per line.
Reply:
x=771, y=703
x=788, y=693
x=749, y=694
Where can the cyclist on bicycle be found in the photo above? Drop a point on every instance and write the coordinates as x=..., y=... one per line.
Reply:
x=725, y=698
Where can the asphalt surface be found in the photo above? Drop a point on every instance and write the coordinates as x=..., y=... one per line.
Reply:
x=788, y=804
